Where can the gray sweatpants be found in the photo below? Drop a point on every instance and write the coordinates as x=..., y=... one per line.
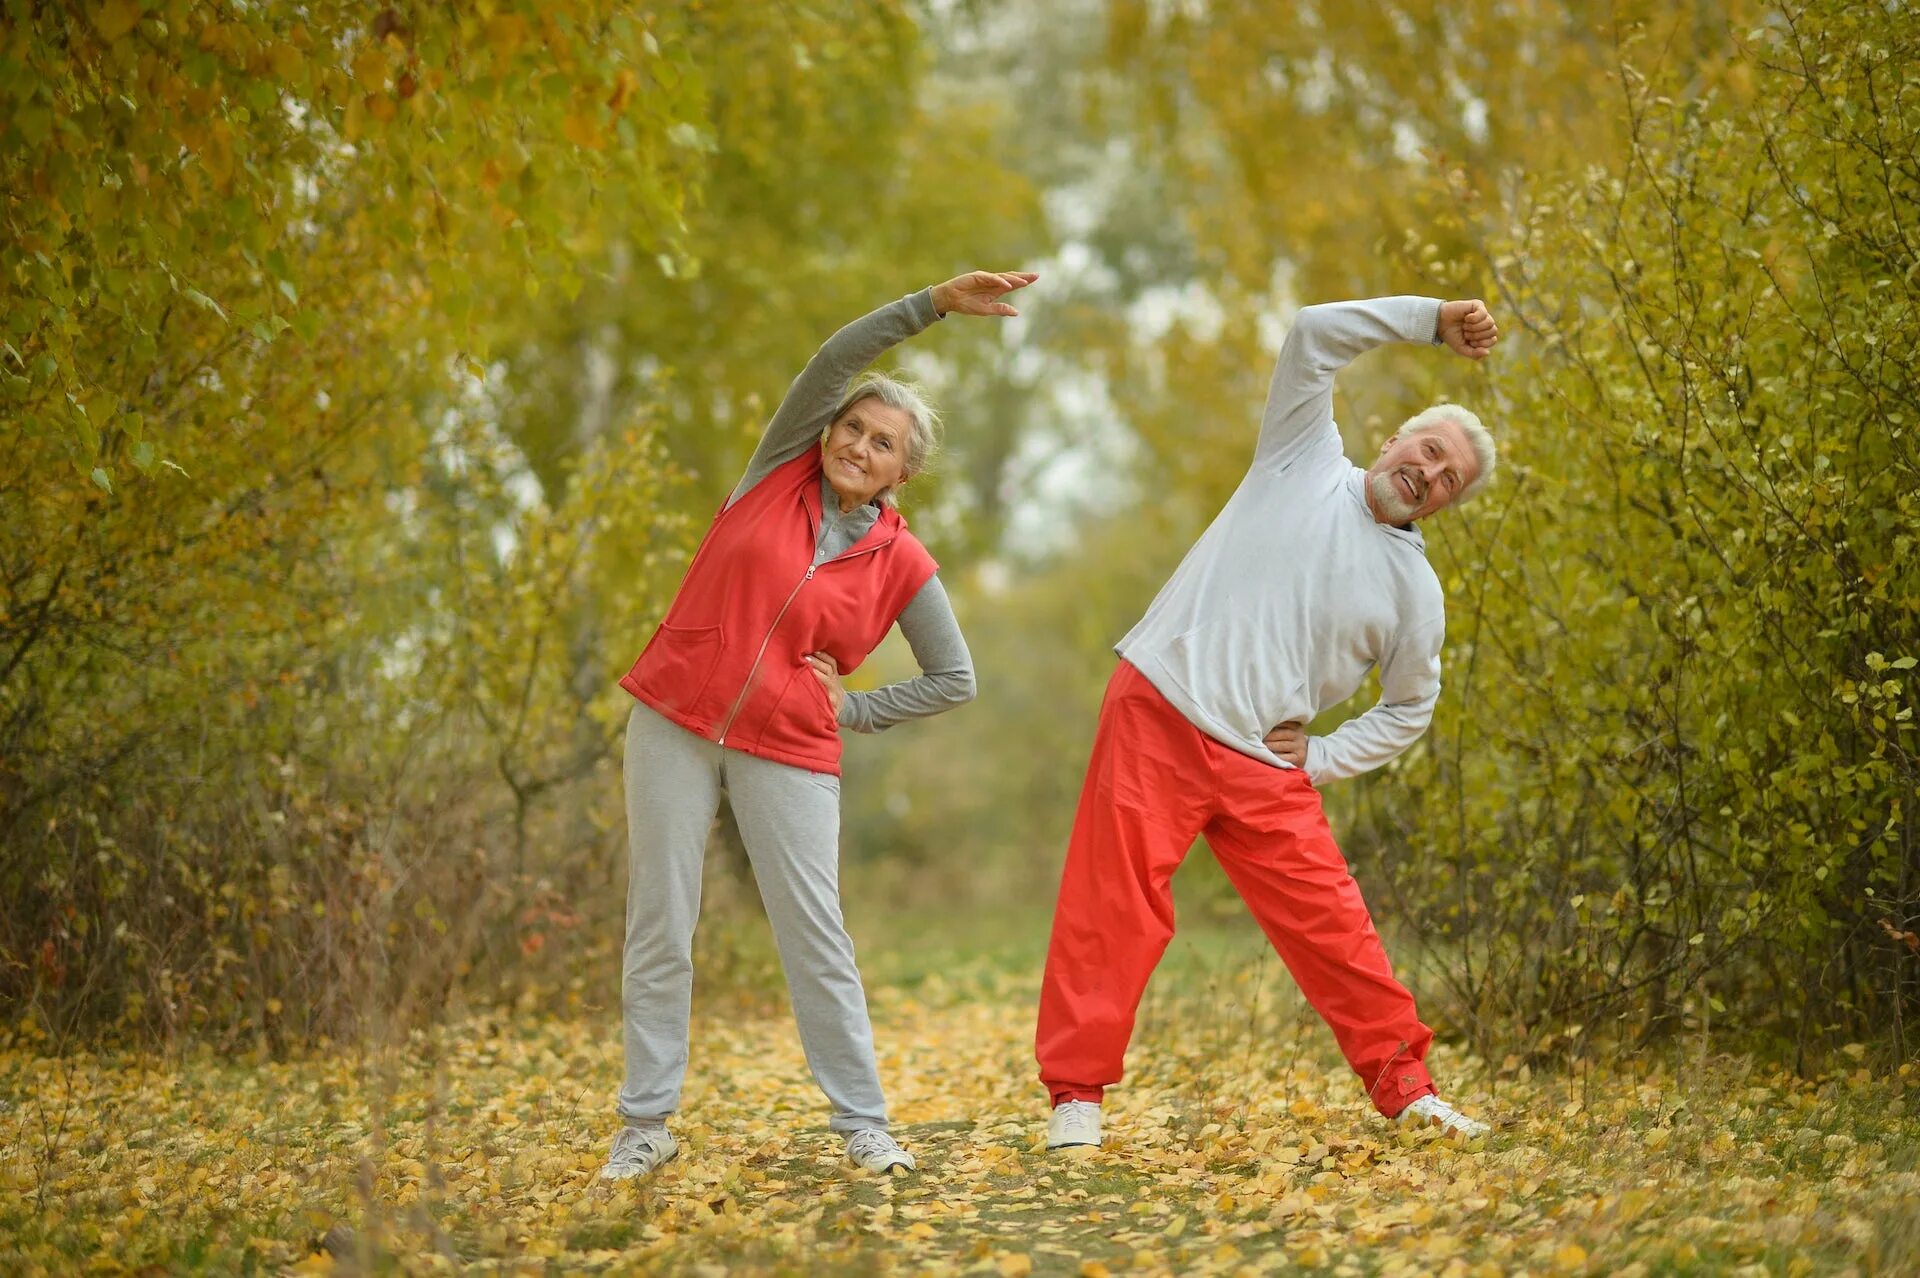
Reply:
x=789, y=819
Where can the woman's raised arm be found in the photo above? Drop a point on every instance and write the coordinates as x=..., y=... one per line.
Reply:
x=815, y=393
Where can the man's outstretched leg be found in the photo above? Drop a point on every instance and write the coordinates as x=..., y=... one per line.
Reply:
x=1272, y=839
x=1143, y=802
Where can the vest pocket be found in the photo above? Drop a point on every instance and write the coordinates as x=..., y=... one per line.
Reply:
x=823, y=704
x=802, y=720
x=684, y=658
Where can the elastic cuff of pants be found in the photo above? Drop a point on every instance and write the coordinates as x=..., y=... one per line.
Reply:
x=651, y=1122
x=1402, y=1089
x=1059, y=1094
x=848, y=1127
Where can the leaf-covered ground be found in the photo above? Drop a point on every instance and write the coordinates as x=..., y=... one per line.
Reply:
x=1240, y=1145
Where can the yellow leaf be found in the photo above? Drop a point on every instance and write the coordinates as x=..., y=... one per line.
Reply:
x=582, y=132
x=505, y=33
x=1570, y=1257
x=370, y=67
x=1014, y=1264
x=286, y=60
x=1094, y=1269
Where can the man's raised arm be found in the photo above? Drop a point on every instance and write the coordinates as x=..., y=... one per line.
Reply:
x=1327, y=337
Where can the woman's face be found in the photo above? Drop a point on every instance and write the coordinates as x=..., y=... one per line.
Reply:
x=865, y=451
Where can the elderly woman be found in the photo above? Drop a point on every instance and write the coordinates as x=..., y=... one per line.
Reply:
x=804, y=570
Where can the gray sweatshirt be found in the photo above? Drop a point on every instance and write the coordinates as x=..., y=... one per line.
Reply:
x=1295, y=591
x=927, y=622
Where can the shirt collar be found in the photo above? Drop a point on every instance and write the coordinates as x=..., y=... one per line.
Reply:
x=857, y=520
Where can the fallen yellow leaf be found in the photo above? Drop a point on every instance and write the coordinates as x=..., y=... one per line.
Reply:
x=1570, y=1257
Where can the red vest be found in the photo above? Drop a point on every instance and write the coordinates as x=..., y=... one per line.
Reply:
x=728, y=660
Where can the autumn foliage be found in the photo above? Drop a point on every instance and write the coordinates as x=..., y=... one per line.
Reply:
x=367, y=374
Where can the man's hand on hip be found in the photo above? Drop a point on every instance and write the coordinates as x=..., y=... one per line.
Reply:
x=1467, y=328
x=1289, y=741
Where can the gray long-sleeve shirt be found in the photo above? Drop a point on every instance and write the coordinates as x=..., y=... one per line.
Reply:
x=927, y=622
x=1295, y=591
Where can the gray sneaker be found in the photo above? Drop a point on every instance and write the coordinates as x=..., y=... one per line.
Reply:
x=639, y=1151
x=876, y=1151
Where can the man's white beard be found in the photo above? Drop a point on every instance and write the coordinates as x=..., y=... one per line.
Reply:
x=1388, y=500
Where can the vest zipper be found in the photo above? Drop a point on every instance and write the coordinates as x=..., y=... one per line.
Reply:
x=755, y=667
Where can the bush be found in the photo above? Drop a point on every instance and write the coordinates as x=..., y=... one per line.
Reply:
x=1673, y=779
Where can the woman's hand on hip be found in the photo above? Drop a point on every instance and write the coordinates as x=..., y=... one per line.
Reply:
x=1289, y=741
x=979, y=292
x=827, y=671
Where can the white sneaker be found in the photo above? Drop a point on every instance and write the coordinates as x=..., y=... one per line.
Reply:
x=1074, y=1123
x=639, y=1151
x=876, y=1151
x=1431, y=1111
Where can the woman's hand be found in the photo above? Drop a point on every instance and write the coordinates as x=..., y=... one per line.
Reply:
x=1289, y=741
x=978, y=292
x=827, y=671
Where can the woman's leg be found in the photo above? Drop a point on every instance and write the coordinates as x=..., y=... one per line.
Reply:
x=673, y=790
x=790, y=821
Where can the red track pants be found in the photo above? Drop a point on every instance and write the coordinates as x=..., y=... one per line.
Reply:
x=1154, y=782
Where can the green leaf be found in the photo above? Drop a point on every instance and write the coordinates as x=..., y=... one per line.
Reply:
x=101, y=478
x=141, y=455
x=195, y=296
x=116, y=18
x=287, y=291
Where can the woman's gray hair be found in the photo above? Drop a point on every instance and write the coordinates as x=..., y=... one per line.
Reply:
x=923, y=419
x=1479, y=438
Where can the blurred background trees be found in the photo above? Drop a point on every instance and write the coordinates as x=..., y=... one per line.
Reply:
x=368, y=375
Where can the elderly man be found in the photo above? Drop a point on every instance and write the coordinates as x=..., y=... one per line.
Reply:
x=1312, y=573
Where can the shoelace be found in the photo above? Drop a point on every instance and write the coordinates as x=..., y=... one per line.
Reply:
x=1077, y=1118
x=870, y=1143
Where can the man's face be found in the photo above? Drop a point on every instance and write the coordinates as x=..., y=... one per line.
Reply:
x=1420, y=473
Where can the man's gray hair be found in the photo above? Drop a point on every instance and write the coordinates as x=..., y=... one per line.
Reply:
x=923, y=419
x=1478, y=438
